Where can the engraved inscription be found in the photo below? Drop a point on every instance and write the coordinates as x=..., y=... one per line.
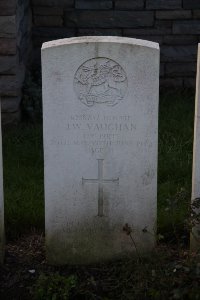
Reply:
x=98, y=133
x=100, y=182
x=100, y=81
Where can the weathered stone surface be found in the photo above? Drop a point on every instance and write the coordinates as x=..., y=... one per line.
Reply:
x=2, y=237
x=180, y=39
x=163, y=4
x=193, y=4
x=7, y=46
x=160, y=28
x=143, y=32
x=64, y=3
x=10, y=85
x=186, y=27
x=178, y=53
x=10, y=104
x=24, y=25
x=15, y=25
x=53, y=32
x=196, y=13
x=8, y=64
x=108, y=19
x=48, y=11
x=11, y=118
x=100, y=147
x=48, y=21
x=7, y=7
x=93, y=4
x=195, y=234
x=171, y=82
x=163, y=24
x=100, y=31
x=8, y=26
x=180, y=69
x=173, y=14
x=129, y=4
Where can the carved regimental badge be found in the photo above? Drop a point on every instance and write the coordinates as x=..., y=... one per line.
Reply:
x=100, y=81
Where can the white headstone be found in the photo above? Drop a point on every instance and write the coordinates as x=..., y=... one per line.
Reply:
x=195, y=234
x=100, y=105
x=1, y=200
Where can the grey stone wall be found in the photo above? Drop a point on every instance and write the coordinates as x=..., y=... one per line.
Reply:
x=174, y=24
x=15, y=36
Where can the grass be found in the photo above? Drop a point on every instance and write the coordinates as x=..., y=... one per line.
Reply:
x=176, y=124
x=23, y=179
x=23, y=169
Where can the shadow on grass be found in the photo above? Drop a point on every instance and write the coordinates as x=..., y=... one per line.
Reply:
x=23, y=179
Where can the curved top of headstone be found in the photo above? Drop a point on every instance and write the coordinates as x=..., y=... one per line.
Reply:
x=100, y=39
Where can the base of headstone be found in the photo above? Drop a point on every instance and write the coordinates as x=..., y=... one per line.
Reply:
x=195, y=241
x=102, y=247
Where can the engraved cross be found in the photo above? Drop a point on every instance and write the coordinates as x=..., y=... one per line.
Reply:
x=100, y=180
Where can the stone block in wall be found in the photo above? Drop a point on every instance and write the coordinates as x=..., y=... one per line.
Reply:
x=163, y=24
x=171, y=82
x=7, y=26
x=189, y=82
x=164, y=4
x=48, y=21
x=175, y=39
x=179, y=53
x=24, y=3
x=24, y=30
x=53, y=32
x=129, y=4
x=93, y=4
x=186, y=27
x=10, y=85
x=7, y=7
x=173, y=14
x=153, y=38
x=108, y=19
x=8, y=65
x=7, y=46
x=11, y=118
x=47, y=11
x=10, y=104
x=196, y=14
x=183, y=69
x=64, y=3
x=193, y=4
x=142, y=32
x=99, y=31
x=24, y=20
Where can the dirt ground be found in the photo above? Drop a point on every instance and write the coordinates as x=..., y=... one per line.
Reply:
x=170, y=274
x=24, y=258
